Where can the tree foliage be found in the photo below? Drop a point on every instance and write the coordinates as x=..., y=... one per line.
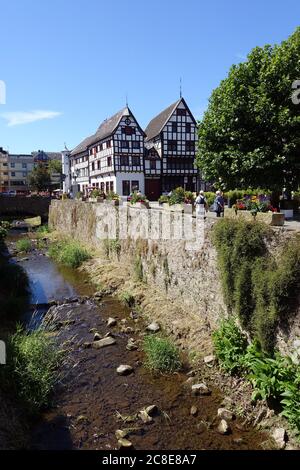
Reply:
x=250, y=134
x=39, y=178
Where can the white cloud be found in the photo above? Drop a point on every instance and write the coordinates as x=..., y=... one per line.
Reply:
x=16, y=118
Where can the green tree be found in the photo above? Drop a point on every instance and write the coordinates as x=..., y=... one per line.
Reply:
x=250, y=134
x=55, y=166
x=39, y=178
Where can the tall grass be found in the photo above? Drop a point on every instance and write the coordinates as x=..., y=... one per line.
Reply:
x=23, y=245
x=32, y=368
x=161, y=354
x=68, y=253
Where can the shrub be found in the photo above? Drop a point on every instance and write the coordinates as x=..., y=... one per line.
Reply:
x=23, y=245
x=177, y=196
x=230, y=345
x=4, y=227
x=138, y=197
x=161, y=354
x=31, y=370
x=272, y=377
x=68, y=253
x=112, y=196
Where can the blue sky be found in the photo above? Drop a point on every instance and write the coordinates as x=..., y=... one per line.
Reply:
x=68, y=64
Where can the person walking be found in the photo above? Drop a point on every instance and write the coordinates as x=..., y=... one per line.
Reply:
x=219, y=204
x=201, y=205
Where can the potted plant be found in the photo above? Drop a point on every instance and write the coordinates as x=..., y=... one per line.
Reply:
x=113, y=198
x=258, y=208
x=96, y=196
x=139, y=200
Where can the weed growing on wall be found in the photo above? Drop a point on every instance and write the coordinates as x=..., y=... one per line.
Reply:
x=260, y=289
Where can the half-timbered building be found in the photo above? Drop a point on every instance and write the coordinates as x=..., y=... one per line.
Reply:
x=170, y=147
x=116, y=155
x=79, y=166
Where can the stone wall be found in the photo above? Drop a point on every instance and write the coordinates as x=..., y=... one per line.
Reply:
x=183, y=271
x=180, y=269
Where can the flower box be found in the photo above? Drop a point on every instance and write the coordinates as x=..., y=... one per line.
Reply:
x=141, y=205
x=270, y=218
x=96, y=199
x=113, y=202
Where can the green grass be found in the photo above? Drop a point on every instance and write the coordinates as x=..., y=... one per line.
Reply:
x=127, y=299
x=23, y=245
x=68, y=253
x=43, y=229
x=31, y=371
x=161, y=354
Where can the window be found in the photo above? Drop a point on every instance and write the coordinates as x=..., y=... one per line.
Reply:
x=108, y=161
x=94, y=150
x=172, y=145
x=108, y=144
x=99, y=165
x=128, y=130
x=135, y=144
x=135, y=186
x=93, y=166
x=188, y=128
x=124, y=160
x=101, y=147
x=12, y=165
x=181, y=112
x=190, y=146
x=152, y=165
x=135, y=160
x=126, y=187
x=174, y=126
x=102, y=187
x=107, y=187
x=13, y=173
x=124, y=144
x=111, y=186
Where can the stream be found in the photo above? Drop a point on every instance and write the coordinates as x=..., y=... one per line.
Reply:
x=92, y=401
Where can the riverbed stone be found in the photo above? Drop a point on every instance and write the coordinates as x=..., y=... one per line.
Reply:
x=209, y=360
x=87, y=345
x=131, y=345
x=223, y=413
x=124, y=444
x=111, y=322
x=124, y=369
x=102, y=343
x=279, y=436
x=200, y=389
x=224, y=427
x=97, y=336
x=153, y=327
x=121, y=433
x=194, y=410
x=143, y=415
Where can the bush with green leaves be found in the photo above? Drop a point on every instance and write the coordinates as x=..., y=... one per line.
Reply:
x=273, y=377
x=23, y=245
x=68, y=253
x=32, y=368
x=43, y=229
x=161, y=354
x=230, y=345
x=4, y=228
x=258, y=287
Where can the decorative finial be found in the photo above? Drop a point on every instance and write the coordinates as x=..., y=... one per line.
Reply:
x=126, y=100
x=180, y=93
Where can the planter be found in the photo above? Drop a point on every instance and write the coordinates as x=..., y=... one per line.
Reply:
x=141, y=205
x=174, y=207
x=275, y=219
x=113, y=202
x=96, y=199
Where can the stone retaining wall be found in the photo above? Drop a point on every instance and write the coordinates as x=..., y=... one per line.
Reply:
x=178, y=267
